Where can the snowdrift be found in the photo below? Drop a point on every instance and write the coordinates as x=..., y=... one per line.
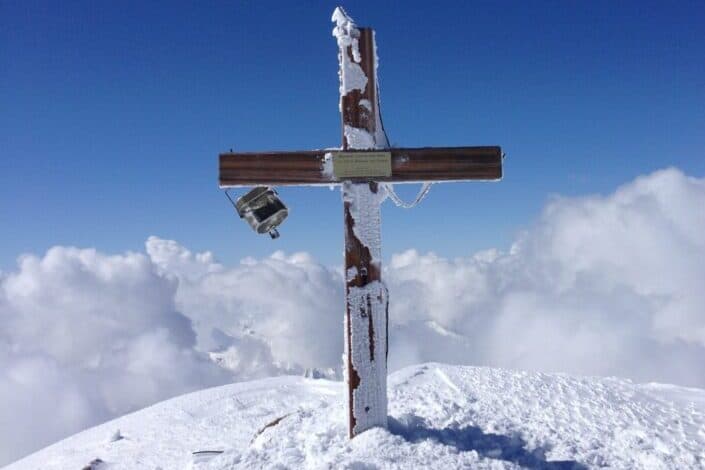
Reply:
x=440, y=417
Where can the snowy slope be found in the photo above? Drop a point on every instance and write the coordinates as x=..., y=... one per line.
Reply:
x=440, y=417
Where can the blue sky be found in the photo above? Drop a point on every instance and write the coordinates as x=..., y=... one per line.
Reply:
x=113, y=113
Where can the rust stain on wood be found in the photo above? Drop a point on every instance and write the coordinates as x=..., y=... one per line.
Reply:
x=354, y=383
x=370, y=328
x=355, y=252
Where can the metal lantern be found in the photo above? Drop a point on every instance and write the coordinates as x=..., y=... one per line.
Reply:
x=262, y=209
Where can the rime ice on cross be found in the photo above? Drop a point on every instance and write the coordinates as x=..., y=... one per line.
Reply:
x=364, y=162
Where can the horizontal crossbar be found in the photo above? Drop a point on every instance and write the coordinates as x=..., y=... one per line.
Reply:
x=408, y=165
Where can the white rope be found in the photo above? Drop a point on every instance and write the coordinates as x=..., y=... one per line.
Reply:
x=423, y=192
x=425, y=187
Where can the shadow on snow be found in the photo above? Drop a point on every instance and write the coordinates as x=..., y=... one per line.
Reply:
x=492, y=446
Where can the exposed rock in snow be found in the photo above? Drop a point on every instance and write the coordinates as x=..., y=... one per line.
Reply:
x=440, y=417
x=116, y=436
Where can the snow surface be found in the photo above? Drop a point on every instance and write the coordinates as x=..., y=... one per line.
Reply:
x=440, y=417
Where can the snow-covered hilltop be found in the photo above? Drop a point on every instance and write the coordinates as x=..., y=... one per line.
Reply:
x=440, y=417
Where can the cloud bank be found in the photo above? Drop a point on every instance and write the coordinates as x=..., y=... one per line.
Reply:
x=599, y=285
x=603, y=285
x=85, y=337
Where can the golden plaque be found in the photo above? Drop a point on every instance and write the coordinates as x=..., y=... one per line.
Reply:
x=362, y=164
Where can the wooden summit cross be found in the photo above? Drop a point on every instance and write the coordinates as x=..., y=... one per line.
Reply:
x=362, y=167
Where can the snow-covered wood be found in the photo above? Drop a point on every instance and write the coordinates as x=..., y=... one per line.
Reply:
x=366, y=315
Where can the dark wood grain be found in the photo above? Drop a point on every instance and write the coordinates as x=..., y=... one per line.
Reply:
x=408, y=164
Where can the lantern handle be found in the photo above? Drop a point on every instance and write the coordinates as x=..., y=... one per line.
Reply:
x=229, y=198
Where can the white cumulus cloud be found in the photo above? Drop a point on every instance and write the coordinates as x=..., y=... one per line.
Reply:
x=608, y=285
x=85, y=337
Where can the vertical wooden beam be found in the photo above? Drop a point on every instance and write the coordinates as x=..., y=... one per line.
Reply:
x=366, y=315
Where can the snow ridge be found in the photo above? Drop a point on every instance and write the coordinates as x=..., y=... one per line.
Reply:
x=440, y=416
